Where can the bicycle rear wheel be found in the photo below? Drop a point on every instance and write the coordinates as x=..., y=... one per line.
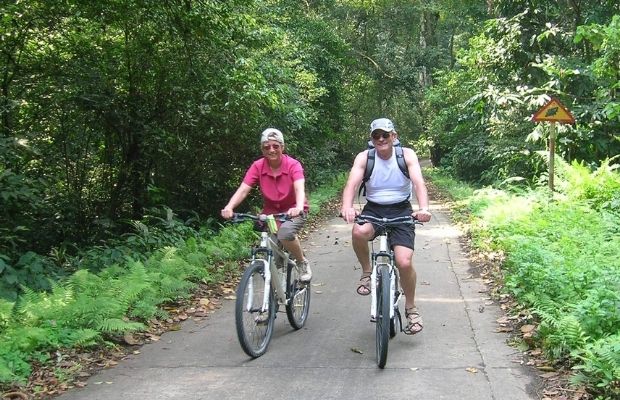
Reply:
x=383, y=314
x=298, y=294
x=254, y=326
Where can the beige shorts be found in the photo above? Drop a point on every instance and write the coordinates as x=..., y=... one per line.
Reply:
x=289, y=229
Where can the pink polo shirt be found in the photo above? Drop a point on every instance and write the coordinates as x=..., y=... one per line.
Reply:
x=277, y=190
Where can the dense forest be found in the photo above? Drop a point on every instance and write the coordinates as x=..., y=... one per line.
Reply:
x=125, y=125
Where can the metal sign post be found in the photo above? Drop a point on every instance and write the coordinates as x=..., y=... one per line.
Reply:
x=553, y=112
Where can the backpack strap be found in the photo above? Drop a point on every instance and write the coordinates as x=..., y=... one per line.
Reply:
x=370, y=164
x=400, y=160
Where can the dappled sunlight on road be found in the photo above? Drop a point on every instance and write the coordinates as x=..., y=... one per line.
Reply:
x=435, y=231
x=422, y=299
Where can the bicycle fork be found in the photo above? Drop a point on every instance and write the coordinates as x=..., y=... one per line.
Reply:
x=389, y=261
x=265, y=303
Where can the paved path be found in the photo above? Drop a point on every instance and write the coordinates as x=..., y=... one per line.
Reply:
x=458, y=356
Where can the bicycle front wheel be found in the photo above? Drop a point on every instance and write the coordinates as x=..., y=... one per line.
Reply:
x=254, y=325
x=383, y=314
x=298, y=298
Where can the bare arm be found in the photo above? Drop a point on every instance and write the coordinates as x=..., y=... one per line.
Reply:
x=421, y=193
x=355, y=179
x=236, y=199
x=300, y=196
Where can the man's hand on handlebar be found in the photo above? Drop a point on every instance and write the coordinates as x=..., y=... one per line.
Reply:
x=348, y=214
x=422, y=215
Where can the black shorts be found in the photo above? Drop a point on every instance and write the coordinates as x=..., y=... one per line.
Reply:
x=403, y=235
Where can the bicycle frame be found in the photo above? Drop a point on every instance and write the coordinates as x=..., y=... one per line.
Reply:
x=277, y=279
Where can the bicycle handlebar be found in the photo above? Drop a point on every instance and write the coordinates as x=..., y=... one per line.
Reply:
x=240, y=217
x=407, y=220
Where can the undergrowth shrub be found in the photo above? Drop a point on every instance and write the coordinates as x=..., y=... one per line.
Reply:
x=561, y=263
x=91, y=308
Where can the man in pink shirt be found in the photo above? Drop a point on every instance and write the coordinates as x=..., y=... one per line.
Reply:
x=281, y=181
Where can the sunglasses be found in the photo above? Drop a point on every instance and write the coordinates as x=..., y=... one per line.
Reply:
x=267, y=147
x=377, y=135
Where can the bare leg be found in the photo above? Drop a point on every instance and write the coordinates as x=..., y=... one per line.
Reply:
x=294, y=247
x=404, y=261
x=360, y=236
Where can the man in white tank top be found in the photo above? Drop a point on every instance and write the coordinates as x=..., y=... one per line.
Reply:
x=388, y=194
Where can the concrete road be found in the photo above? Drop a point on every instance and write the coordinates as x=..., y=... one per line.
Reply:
x=459, y=355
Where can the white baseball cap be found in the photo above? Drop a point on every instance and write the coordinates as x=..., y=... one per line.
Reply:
x=271, y=134
x=382, y=123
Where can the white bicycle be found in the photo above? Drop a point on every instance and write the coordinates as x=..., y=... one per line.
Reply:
x=271, y=279
x=384, y=284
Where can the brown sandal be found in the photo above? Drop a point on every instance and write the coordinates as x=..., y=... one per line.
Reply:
x=363, y=288
x=414, y=321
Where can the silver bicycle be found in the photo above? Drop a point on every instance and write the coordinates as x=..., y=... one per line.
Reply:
x=270, y=280
x=384, y=284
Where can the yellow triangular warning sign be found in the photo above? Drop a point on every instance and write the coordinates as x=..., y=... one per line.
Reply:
x=554, y=111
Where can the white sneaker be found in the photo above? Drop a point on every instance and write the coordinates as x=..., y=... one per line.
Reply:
x=305, y=273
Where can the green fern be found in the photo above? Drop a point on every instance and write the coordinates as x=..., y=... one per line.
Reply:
x=599, y=367
x=80, y=337
x=6, y=312
x=116, y=325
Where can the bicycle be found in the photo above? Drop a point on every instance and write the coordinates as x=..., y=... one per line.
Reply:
x=270, y=280
x=384, y=285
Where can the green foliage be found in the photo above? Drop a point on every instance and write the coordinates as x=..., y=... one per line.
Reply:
x=329, y=190
x=600, y=189
x=600, y=367
x=561, y=264
x=479, y=110
x=89, y=308
x=110, y=109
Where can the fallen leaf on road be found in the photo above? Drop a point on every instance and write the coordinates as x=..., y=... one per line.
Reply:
x=472, y=370
x=527, y=328
x=356, y=350
x=130, y=339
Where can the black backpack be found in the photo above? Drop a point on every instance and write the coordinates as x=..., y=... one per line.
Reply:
x=370, y=163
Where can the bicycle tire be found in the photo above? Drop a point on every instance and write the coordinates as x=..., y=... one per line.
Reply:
x=298, y=294
x=254, y=332
x=383, y=314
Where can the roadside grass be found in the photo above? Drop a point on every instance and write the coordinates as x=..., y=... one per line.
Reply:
x=130, y=287
x=560, y=263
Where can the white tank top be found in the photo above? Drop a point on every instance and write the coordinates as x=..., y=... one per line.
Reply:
x=387, y=183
